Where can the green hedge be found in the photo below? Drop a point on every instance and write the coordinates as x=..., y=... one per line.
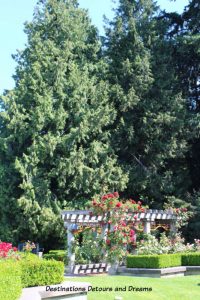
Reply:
x=10, y=280
x=191, y=259
x=153, y=261
x=24, y=256
x=41, y=272
x=59, y=255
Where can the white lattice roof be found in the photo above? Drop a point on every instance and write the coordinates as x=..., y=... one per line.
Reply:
x=85, y=217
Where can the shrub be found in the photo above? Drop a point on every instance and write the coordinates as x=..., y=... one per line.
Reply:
x=191, y=259
x=10, y=280
x=59, y=255
x=90, y=249
x=7, y=251
x=153, y=261
x=150, y=245
x=41, y=272
x=26, y=256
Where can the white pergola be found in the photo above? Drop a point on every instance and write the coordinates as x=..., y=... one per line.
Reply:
x=73, y=219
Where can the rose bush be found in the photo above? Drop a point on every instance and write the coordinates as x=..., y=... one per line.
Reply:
x=183, y=216
x=7, y=251
x=119, y=217
x=166, y=245
x=29, y=246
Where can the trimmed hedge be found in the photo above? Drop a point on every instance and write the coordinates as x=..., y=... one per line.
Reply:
x=28, y=257
x=10, y=280
x=153, y=261
x=41, y=272
x=191, y=259
x=59, y=255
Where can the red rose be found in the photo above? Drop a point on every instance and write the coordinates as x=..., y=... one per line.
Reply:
x=108, y=242
x=116, y=195
x=184, y=209
x=119, y=204
x=110, y=196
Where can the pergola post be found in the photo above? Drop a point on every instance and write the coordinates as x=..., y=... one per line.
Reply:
x=173, y=229
x=71, y=255
x=104, y=231
x=147, y=226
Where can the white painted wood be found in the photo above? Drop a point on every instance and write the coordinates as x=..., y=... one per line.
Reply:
x=84, y=217
x=147, y=226
x=70, y=240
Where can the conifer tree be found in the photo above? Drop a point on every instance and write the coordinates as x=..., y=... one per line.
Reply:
x=54, y=146
x=183, y=29
x=150, y=129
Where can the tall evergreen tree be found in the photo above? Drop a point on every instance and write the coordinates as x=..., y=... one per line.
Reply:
x=150, y=132
x=183, y=29
x=54, y=146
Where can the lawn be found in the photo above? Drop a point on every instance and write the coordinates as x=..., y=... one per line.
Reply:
x=179, y=288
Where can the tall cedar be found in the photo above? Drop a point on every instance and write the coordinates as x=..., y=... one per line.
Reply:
x=184, y=30
x=150, y=132
x=54, y=146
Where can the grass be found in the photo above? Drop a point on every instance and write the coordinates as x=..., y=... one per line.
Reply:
x=179, y=288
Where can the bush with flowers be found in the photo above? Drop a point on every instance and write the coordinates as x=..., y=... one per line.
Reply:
x=10, y=287
x=24, y=269
x=29, y=246
x=120, y=219
x=8, y=251
x=165, y=245
x=90, y=249
x=183, y=216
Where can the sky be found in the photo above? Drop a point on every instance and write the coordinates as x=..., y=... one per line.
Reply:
x=13, y=14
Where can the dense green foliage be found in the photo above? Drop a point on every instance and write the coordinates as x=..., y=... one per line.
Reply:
x=91, y=114
x=54, y=147
x=28, y=271
x=10, y=280
x=59, y=255
x=191, y=259
x=41, y=272
x=183, y=31
x=152, y=116
x=153, y=261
